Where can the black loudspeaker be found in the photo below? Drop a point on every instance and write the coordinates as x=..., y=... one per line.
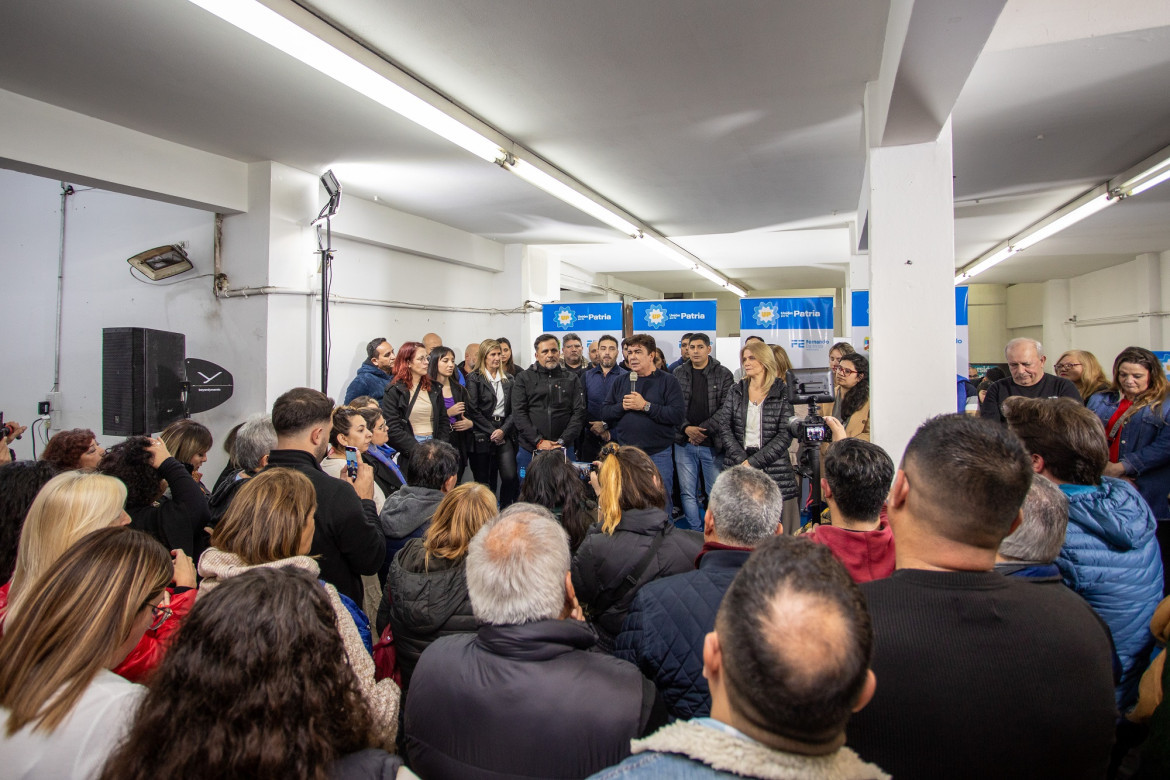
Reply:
x=143, y=380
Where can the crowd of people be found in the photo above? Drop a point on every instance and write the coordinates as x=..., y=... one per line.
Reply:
x=598, y=566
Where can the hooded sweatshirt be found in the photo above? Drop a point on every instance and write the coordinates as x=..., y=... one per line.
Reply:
x=406, y=514
x=868, y=555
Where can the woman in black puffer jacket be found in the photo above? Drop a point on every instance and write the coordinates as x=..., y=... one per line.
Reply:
x=634, y=537
x=753, y=425
x=426, y=589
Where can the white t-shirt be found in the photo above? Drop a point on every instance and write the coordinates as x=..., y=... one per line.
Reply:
x=79, y=747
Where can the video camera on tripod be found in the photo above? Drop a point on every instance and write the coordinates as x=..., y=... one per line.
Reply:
x=812, y=386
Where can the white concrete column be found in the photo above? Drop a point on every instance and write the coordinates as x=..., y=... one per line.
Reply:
x=912, y=301
x=1057, y=336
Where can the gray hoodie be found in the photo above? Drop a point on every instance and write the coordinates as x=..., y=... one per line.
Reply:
x=407, y=514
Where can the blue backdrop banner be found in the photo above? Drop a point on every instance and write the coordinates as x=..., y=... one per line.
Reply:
x=590, y=321
x=666, y=321
x=859, y=316
x=803, y=326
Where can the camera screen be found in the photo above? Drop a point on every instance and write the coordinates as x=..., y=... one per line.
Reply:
x=815, y=432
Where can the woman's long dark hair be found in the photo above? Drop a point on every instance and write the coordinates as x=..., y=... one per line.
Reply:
x=437, y=354
x=510, y=365
x=856, y=396
x=256, y=685
x=552, y=482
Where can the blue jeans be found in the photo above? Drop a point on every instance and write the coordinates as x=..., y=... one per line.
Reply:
x=689, y=459
x=664, y=460
x=524, y=457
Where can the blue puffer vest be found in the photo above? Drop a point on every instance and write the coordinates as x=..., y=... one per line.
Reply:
x=1111, y=558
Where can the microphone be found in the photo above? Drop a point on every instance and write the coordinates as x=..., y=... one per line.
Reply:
x=633, y=382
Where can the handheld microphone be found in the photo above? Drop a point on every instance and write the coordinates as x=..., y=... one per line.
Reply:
x=633, y=382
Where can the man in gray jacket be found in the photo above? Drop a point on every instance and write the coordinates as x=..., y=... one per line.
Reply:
x=431, y=472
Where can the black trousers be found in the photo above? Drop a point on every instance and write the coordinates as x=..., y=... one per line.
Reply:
x=498, y=462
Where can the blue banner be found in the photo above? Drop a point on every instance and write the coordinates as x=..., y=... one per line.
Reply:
x=859, y=316
x=786, y=314
x=667, y=320
x=591, y=317
x=685, y=315
x=859, y=310
x=803, y=326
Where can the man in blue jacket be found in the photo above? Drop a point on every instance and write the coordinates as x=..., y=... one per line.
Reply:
x=664, y=630
x=374, y=374
x=597, y=382
x=647, y=409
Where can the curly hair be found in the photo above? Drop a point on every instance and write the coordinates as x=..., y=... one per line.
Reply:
x=185, y=439
x=129, y=461
x=275, y=696
x=343, y=422
x=65, y=449
x=553, y=483
x=856, y=396
x=19, y=484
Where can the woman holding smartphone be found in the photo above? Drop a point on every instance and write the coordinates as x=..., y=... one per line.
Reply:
x=351, y=434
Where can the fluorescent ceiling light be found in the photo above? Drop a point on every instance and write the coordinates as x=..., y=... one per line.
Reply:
x=277, y=31
x=737, y=290
x=664, y=247
x=983, y=263
x=710, y=275
x=1151, y=182
x=1063, y=218
x=558, y=189
x=1067, y=215
x=1147, y=174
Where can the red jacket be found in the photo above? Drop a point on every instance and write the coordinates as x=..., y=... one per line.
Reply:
x=868, y=555
x=148, y=653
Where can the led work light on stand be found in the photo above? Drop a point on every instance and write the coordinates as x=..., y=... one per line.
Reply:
x=333, y=188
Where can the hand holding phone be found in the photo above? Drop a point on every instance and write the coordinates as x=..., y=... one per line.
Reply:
x=351, y=462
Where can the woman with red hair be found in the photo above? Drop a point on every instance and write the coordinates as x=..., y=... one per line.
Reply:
x=413, y=405
x=74, y=449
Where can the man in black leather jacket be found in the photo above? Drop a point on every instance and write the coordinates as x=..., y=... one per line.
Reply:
x=548, y=407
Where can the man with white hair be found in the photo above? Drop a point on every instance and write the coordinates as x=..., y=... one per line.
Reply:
x=1025, y=359
x=669, y=619
x=523, y=696
x=1031, y=549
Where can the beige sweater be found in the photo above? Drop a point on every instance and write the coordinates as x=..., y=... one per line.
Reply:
x=383, y=697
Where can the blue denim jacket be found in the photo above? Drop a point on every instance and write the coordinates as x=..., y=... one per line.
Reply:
x=1144, y=450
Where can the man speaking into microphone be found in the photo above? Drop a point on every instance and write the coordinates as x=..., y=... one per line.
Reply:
x=646, y=409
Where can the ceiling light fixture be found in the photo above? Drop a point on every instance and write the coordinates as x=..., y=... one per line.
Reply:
x=1067, y=215
x=558, y=189
x=710, y=275
x=670, y=250
x=742, y=293
x=1145, y=175
x=281, y=33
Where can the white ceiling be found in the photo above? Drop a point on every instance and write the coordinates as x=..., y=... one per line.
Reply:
x=734, y=127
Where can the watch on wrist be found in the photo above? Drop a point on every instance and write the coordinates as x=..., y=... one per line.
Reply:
x=646, y=408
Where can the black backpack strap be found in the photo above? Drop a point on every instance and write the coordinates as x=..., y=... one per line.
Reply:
x=413, y=398
x=608, y=598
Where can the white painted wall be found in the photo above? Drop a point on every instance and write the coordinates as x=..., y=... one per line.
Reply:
x=366, y=271
x=103, y=230
x=986, y=318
